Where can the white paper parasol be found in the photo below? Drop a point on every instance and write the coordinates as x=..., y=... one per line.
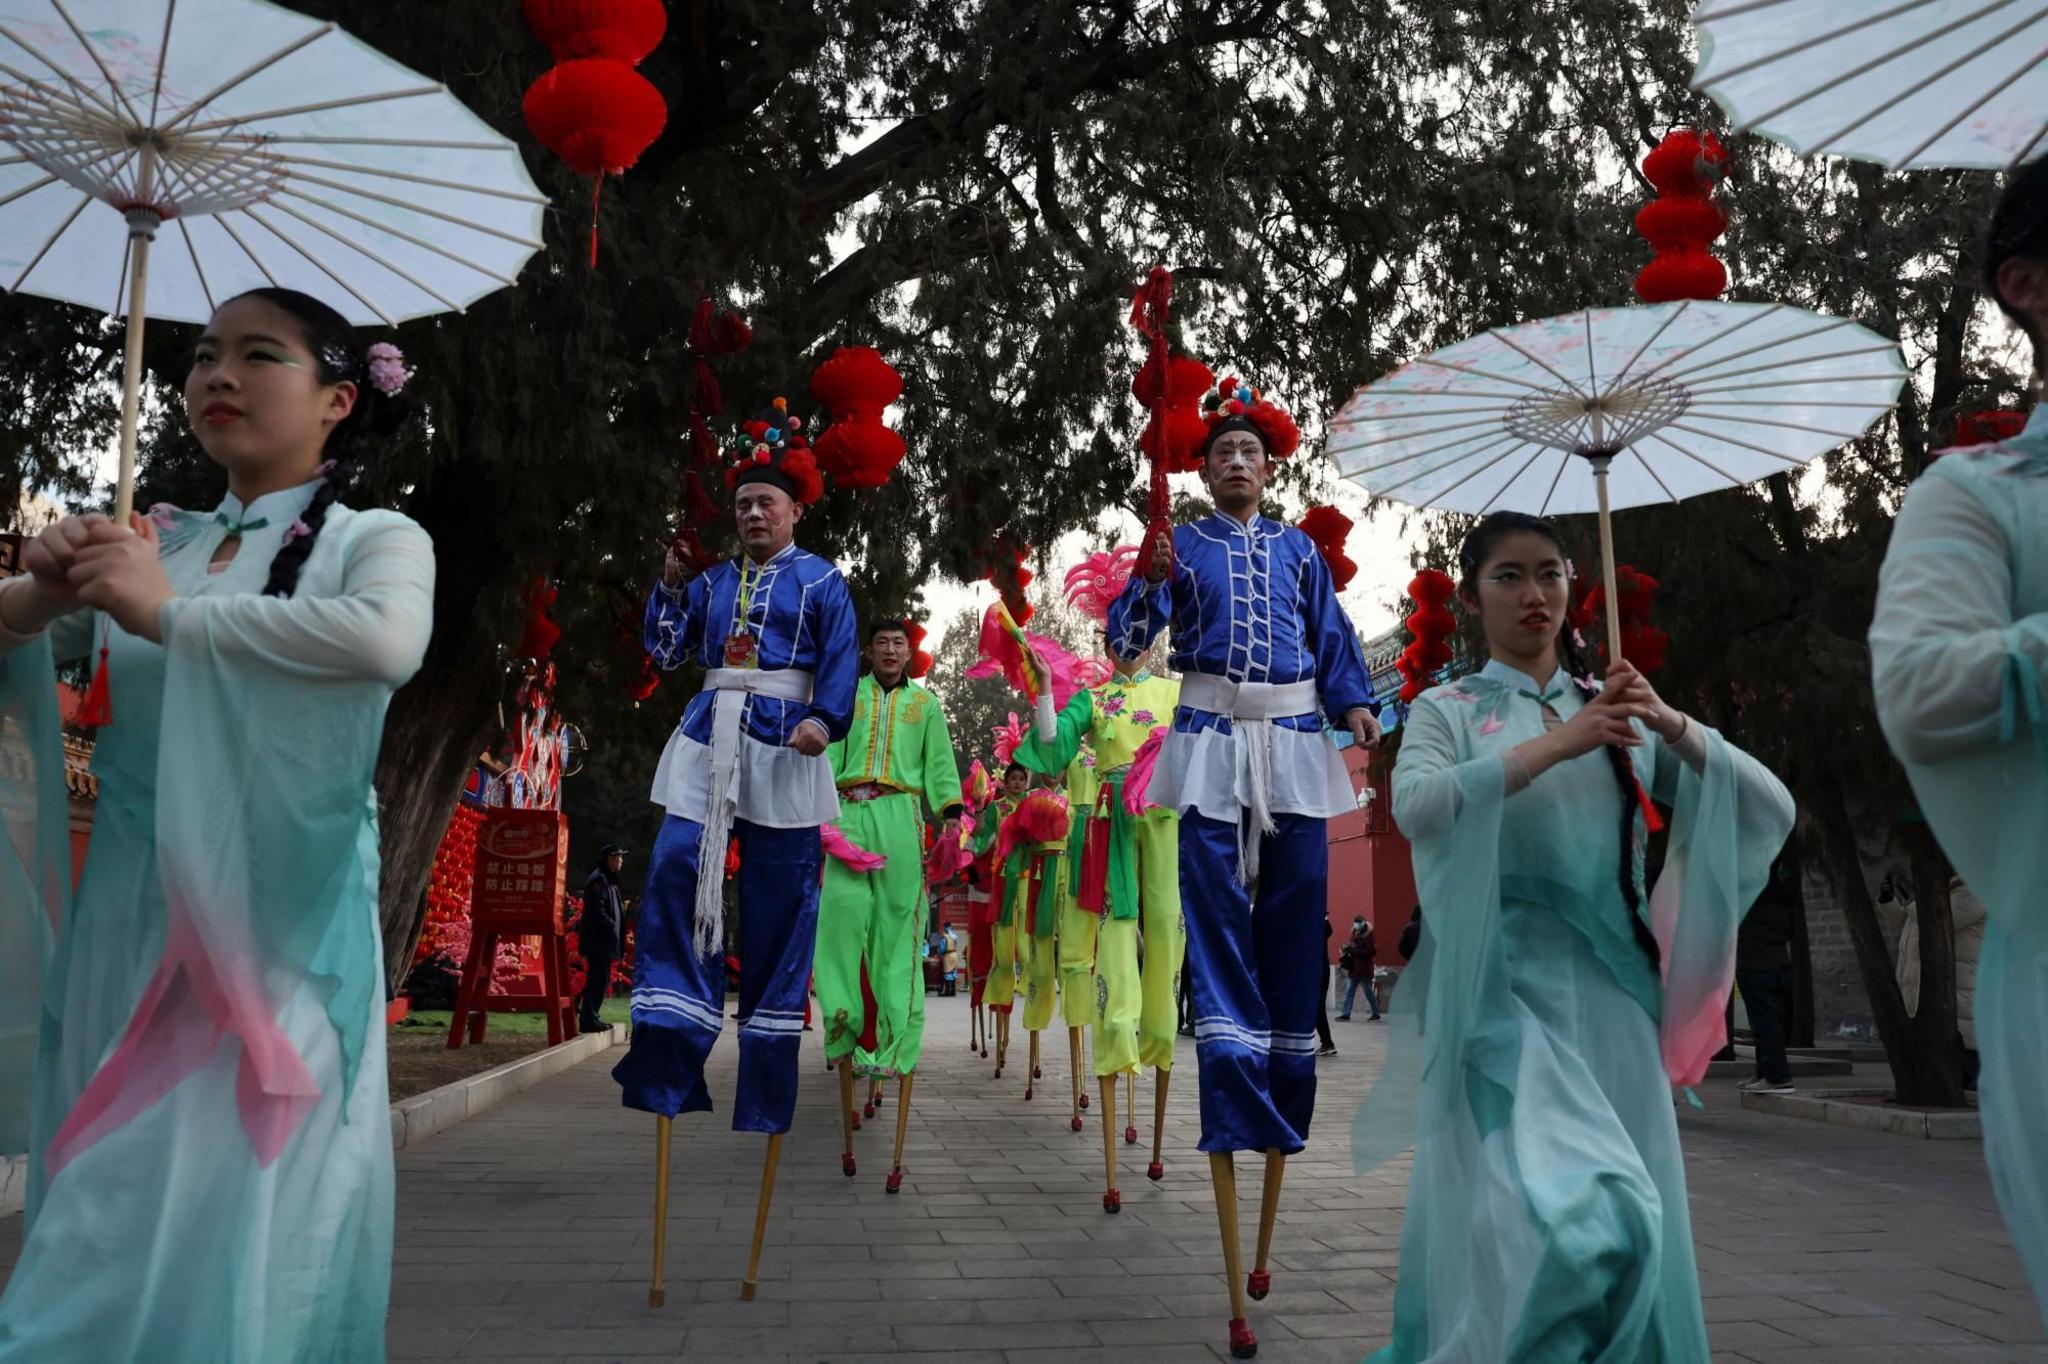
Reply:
x=1910, y=83
x=1616, y=407
x=254, y=146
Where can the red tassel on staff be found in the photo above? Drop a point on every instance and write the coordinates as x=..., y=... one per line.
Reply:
x=1149, y=312
x=1652, y=821
x=98, y=706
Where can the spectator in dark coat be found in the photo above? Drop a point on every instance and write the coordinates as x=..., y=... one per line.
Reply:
x=1362, y=957
x=600, y=934
x=1763, y=977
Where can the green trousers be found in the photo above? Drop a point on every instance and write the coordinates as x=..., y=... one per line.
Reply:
x=1137, y=1013
x=876, y=916
x=1077, y=929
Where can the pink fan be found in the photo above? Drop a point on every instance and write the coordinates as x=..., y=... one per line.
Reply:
x=1092, y=672
x=1138, y=781
x=837, y=844
x=951, y=856
x=1099, y=579
x=1003, y=654
x=1007, y=738
x=1041, y=817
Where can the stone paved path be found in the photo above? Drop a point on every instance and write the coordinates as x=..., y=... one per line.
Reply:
x=525, y=1234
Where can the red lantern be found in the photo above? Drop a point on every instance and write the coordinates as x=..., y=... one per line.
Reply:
x=1187, y=380
x=854, y=385
x=1329, y=528
x=622, y=30
x=598, y=115
x=1682, y=222
x=920, y=660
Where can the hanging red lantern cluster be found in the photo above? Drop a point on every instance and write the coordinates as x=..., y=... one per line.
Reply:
x=1330, y=528
x=537, y=638
x=592, y=108
x=1988, y=427
x=1682, y=222
x=920, y=660
x=1642, y=643
x=854, y=386
x=1431, y=626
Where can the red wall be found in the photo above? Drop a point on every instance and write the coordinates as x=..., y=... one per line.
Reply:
x=1370, y=872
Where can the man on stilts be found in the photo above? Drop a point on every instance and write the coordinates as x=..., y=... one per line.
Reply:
x=1005, y=967
x=1130, y=869
x=896, y=758
x=774, y=630
x=1034, y=874
x=1265, y=652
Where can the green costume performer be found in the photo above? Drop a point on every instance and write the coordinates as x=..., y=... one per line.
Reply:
x=1136, y=1013
x=1034, y=881
x=1077, y=926
x=896, y=758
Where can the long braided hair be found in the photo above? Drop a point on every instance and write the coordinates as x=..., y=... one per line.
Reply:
x=338, y=357
x=1480, y=543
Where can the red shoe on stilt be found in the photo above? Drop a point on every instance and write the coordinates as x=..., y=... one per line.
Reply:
x=1243, y=1344
x=1077, y=1122
x=846, y=1165
x=867, y=1110
x=894, y=1183
x=1113, y=1201
x=1258, y=1284
x=1027, y=1089
x=1084, y=1101
x=1038, y=1072
x=1155, y=1171
x=1130, y=1136
x=856, y=1121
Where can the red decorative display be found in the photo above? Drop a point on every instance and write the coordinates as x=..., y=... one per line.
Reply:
x=619, y=30
x=1150, y=310
x=854, y=386
x=517, y=883
x=593, y=109
x=537, y=638
x=1002, y=563
x=1329, y=528
x=920, y=659
x=1175, y=429
x=1432, y=625
x=1682, y=222
x=1642, y=643
x=1988, y=427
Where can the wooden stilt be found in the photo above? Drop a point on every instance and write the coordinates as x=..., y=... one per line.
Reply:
x=895, y=1181
x=846, y=1161
x=1157, y=1169
x=1002, y=1040
x=657, y=1292
x=1032, y=1074
x=1074, y=1064
x=1130, y=1108
x=1243, y=1344
x=1261, y=1282
x=753, y=1279
x=1112, y=1200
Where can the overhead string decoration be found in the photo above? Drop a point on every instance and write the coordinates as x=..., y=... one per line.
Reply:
x=1431, y=626
x=592, y=109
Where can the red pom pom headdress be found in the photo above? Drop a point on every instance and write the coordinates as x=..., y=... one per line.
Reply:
x=775, y=452
x=1236, y=406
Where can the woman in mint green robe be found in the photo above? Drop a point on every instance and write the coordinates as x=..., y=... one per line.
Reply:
x=209, y=1137
x=1552, y=1003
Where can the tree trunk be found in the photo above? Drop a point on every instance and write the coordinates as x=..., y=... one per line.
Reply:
x=1799, y=1026
x=1926, y=1065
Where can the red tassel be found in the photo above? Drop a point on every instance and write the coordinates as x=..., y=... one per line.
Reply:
x=596, y=194
x=98, y=706
x=1652, y=821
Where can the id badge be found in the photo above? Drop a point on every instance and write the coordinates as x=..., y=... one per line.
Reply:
x=739, y=652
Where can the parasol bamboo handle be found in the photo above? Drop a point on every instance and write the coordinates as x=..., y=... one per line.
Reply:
x=142, y=226
x=1613, y=611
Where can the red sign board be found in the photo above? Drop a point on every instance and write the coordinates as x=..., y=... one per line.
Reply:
x=522, y=868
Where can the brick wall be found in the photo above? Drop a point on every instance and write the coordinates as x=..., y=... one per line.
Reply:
x=1841, y=1006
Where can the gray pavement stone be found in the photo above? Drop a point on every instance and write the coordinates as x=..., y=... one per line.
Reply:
x=526, y=1233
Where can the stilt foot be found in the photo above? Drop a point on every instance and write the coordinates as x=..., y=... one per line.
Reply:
x=1037, y=1073
x=1156, y=1171
x=867, y=1110
x=1113, y=1201
x=1243, y=1344
x=1076, y=1124
x=1130, y=1136
x=747, y=1291
x=1027, y=1091
x=657, y=1297
x=846, y=1165
x=1084, y=1101
x=856, y=1121
x=894, y=1183
x=1258, y=1284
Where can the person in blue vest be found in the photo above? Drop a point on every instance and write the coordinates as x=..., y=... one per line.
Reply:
x=1265, y=654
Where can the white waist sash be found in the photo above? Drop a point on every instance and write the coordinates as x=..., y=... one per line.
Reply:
x=733, y=686
x=1252, y=707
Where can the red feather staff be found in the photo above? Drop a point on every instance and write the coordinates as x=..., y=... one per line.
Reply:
x=1150, y=308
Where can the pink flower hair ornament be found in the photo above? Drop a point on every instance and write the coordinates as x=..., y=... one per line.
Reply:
x=388, y=372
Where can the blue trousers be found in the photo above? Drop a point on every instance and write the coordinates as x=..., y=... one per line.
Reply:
x=1255, y=970
x=679, y=997
x=1352, y=985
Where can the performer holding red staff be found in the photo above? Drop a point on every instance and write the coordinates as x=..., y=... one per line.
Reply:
x=1265, y=652
x=775, y=632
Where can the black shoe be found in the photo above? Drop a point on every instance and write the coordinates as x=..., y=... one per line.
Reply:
x=1343, y=1018
x=1374, y=1019
x=1327, y=1051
